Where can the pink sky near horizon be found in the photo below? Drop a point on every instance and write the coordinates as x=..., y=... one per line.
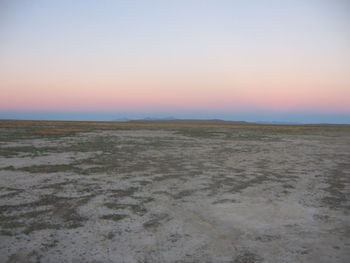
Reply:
x=243, y=96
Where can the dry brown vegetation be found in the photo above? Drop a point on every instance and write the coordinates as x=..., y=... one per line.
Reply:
x=78, y=126
x=56, y=131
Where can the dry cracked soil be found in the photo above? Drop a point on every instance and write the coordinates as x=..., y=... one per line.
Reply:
x=173, y=192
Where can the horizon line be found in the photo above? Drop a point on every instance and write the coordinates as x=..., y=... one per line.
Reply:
x=187, y=120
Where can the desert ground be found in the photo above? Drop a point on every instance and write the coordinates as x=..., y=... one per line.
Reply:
x=173, y=192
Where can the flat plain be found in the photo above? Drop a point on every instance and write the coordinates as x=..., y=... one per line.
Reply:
x=173, y=192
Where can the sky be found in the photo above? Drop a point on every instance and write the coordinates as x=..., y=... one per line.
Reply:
x=270, y=60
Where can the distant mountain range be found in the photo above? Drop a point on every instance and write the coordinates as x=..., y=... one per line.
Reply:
x=175, y=120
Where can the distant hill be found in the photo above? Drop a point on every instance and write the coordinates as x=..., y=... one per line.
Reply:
x=279, y=122
x=174, y=120
x=121, y=120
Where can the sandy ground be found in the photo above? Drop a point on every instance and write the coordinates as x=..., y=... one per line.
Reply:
x=174, y=194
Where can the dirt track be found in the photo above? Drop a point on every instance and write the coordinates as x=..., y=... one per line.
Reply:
x=94, y=192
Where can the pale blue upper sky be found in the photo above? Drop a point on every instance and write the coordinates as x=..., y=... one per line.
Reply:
x=253, y=52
